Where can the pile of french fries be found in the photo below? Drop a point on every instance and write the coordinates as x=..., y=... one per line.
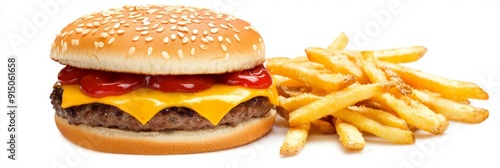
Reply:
x=351, y=92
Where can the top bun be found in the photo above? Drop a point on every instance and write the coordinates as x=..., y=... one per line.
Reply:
x=159, y=40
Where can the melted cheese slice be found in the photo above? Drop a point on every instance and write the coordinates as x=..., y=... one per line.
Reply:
x=144, y=103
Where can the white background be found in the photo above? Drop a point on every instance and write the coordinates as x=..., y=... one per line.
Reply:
x=462, y=38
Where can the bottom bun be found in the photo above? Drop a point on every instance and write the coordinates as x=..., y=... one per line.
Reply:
x=167, y=142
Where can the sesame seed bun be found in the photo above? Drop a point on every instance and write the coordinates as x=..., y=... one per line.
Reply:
x=173, y=142
x=167, y=40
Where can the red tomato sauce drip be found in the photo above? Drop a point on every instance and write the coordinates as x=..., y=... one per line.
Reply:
x=101, y=83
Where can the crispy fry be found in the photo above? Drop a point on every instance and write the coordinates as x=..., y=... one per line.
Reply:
x=374, y=74
x=333, y=102
x=364, y=123
x=451, y=109
x=383, y=117
x=400, y=55
x=318, y=79
x=338, y=44
x=324, y=126
x=296, y=102
x=336, y=63
x=295, y=140
x=448, y=88
x=414, y=113
x=349, y=135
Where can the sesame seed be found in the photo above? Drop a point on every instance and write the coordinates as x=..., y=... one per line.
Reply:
x=204, y=47
x=164, y=22
x=136, y=38
x=173, y=27
x=75, y=42
x=155, y=26
x=148, y=39
x=96, y=23
x=230, y=25
x=211, y=24
x=81, y=25
x=116, y=26
x=86, y=31
x=126, y=24
x=204, y=40
x=145, y=28
x=254, y=47
x=224, y=48
x=181, y=23
x=64, y=33
x=173, y=16
x=173, y=36
x=181, y=35
x=179, y=53
x=210, y=38
x=123, y=21
x=138, y=29
x=120, y=31
x=223, y=26
x=195, y=31
x=172, y=20
x=111, y=40
x=146, y=23
x=120, y=16
x=228, y=40
x=196, y=21
x=193, y=38
x=220, y=38
x=236, y=30
x=237, y=37
x=100, y=44
x=165, y=55
x=205, y=32
x=214, y=30
x=185, y=40
x=192, y=51
x=78, y=30
x=211, y=17
x=260, y=40
x=145, y=32
x=150, y=50
x=104, y=21
x=104, y=35
x=183, y=29
x=159, y=30
x=93, y=31
x=65, y=47
x=227, y=56
x=89, y=25
x=246, y=28
x=131, y=50
x=159, y=16
x=165, y=40
x=112, y=31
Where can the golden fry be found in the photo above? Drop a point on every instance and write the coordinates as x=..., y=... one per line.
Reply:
x=318, y=79
x=414, y=113
x=383, y=117
x=451, y=109
x=293, y=103
x=295, y=140
x=400, y=55
x=364, y=123
x=349, y=135
x=448, y=88
x=338, y=44
x=336, y=63
x=324, y=126
x=333, y=102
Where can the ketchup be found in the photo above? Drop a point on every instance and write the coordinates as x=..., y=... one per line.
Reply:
x=101, y=83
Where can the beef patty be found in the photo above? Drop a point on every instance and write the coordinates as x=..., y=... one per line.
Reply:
x=173, y=118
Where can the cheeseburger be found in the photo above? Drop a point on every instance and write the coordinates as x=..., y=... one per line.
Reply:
x=161, y=80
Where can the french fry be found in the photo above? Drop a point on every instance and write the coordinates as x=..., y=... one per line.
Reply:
x=349, y=136
x=336, y=63
x=414, y=113
x=364, y=123
x=295, y=140
x=333, y=102
x=318, y=79
x=383, y=117
x=338, y=44
x=293, y=103
x=324, y=126
x=451, y=109
x=400, y=55
x=448, y=88
x=375, y=74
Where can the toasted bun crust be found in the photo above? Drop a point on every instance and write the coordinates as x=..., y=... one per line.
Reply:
x=159, y=40
x=173, y=142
